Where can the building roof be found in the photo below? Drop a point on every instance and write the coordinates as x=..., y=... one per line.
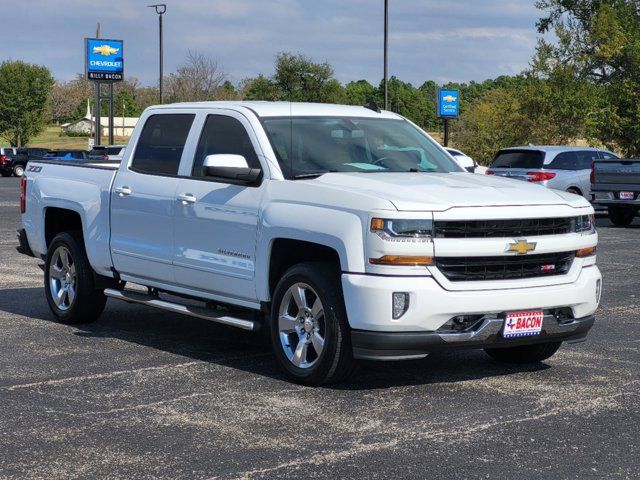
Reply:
x=286, y=109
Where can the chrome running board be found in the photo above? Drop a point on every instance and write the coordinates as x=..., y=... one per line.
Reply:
x=190, y=310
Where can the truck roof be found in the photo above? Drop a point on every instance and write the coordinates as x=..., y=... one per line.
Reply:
x=285, y=109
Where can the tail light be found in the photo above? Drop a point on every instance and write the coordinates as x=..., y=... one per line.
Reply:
x=592, y=175
x=540, y=176
x=3, y=159
x=23, y=194
x=489, y=172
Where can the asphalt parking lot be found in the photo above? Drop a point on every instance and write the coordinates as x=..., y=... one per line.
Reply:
x=149, y=394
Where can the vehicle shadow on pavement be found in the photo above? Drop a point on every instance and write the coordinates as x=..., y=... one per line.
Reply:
x=251, y=352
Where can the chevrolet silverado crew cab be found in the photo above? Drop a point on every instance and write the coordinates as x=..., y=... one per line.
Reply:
x=345, y=231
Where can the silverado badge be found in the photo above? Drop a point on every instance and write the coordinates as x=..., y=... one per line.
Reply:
x=521, y=247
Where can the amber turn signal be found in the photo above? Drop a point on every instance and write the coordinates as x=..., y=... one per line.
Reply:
x=586, y=252
x=377, y=224
x=402, y=261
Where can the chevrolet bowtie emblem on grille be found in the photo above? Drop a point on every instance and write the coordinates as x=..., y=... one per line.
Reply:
x=521, y=247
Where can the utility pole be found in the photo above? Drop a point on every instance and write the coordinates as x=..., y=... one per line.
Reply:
x=161, y=8
x=386, y=46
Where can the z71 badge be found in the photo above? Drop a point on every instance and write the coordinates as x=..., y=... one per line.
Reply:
x=34, y=168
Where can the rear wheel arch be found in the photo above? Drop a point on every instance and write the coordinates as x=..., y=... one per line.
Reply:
x=576, y=190
x=58, y=220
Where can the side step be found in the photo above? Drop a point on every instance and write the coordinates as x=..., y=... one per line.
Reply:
x=190, y=310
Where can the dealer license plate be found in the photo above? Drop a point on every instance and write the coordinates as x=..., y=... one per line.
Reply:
x=626, y=195
x=523, y=324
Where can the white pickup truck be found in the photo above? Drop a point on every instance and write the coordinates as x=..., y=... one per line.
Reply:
x=347, y=232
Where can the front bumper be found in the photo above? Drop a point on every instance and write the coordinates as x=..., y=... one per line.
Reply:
x=369, y=345
x=368, y=299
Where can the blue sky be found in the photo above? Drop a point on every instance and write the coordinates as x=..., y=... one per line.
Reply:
x=458, y=40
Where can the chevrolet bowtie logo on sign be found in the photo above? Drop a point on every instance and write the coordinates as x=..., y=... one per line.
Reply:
x=521, y=247
x=449, y=98
x=105, y=50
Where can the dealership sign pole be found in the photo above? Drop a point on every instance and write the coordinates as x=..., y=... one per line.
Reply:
x=447, y=107
x=104, y=64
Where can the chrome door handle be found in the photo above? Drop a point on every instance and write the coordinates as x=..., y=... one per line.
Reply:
x=186, y=198
x=123, y=191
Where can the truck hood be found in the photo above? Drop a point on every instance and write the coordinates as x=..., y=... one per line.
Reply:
x=413, y=191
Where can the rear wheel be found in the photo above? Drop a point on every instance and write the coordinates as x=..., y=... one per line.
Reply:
x=69, y=283
x=574, y=191
x=622, y=216
x=18, y=170
x=309, y=328
x=524, y=353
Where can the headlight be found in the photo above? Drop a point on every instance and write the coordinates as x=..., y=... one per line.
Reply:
x=584, y=224
x=402, y=230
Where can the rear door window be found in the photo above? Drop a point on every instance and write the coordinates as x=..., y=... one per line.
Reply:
x=585, y=158
x=608, y=155
x=565, y=161
x=161, y=144
x=518, y=159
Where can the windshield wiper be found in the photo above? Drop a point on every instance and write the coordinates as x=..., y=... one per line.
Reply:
x=302, y=176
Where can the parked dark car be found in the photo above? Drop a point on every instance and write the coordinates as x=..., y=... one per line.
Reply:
x=13, y=161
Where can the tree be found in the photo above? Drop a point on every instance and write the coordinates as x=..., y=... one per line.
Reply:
x=493, y=121
x=599, y=40
x=199, y=79
x=296, y=79
x=408, y=101
x=259, y=88
x=361, y=93
x=24, y=95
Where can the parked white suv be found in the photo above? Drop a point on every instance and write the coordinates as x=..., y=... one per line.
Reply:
x=347, y=232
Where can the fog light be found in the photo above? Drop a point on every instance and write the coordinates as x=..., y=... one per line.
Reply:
x=400, y=304
x=598, y=290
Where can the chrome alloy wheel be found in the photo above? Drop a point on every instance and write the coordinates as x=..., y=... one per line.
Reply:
x=62, y=278
x=301, y=325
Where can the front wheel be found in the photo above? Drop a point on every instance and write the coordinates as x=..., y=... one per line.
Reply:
x=69, y=282
x=309, y=328
x=524, y=353
x=622, y=216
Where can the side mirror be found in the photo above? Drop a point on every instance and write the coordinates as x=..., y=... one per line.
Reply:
x=229, y=167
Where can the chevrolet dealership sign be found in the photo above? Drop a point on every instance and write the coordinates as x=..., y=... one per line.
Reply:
x=104, y=59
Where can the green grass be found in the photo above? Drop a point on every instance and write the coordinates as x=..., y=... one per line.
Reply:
x=51, y=138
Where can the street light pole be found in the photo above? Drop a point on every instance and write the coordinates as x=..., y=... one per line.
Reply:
x=386, y=45
x=161, y=8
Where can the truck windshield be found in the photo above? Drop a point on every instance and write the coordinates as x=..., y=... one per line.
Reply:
x=311, y=146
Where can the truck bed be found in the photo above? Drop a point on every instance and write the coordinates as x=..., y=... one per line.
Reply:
x=82, y=186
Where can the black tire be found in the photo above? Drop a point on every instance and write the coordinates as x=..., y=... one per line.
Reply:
x=335, y=362
x=18, y=170
x=88, y=302
x=574, y=190
x=622, y=216
x=5, y=174
x=524, y=353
